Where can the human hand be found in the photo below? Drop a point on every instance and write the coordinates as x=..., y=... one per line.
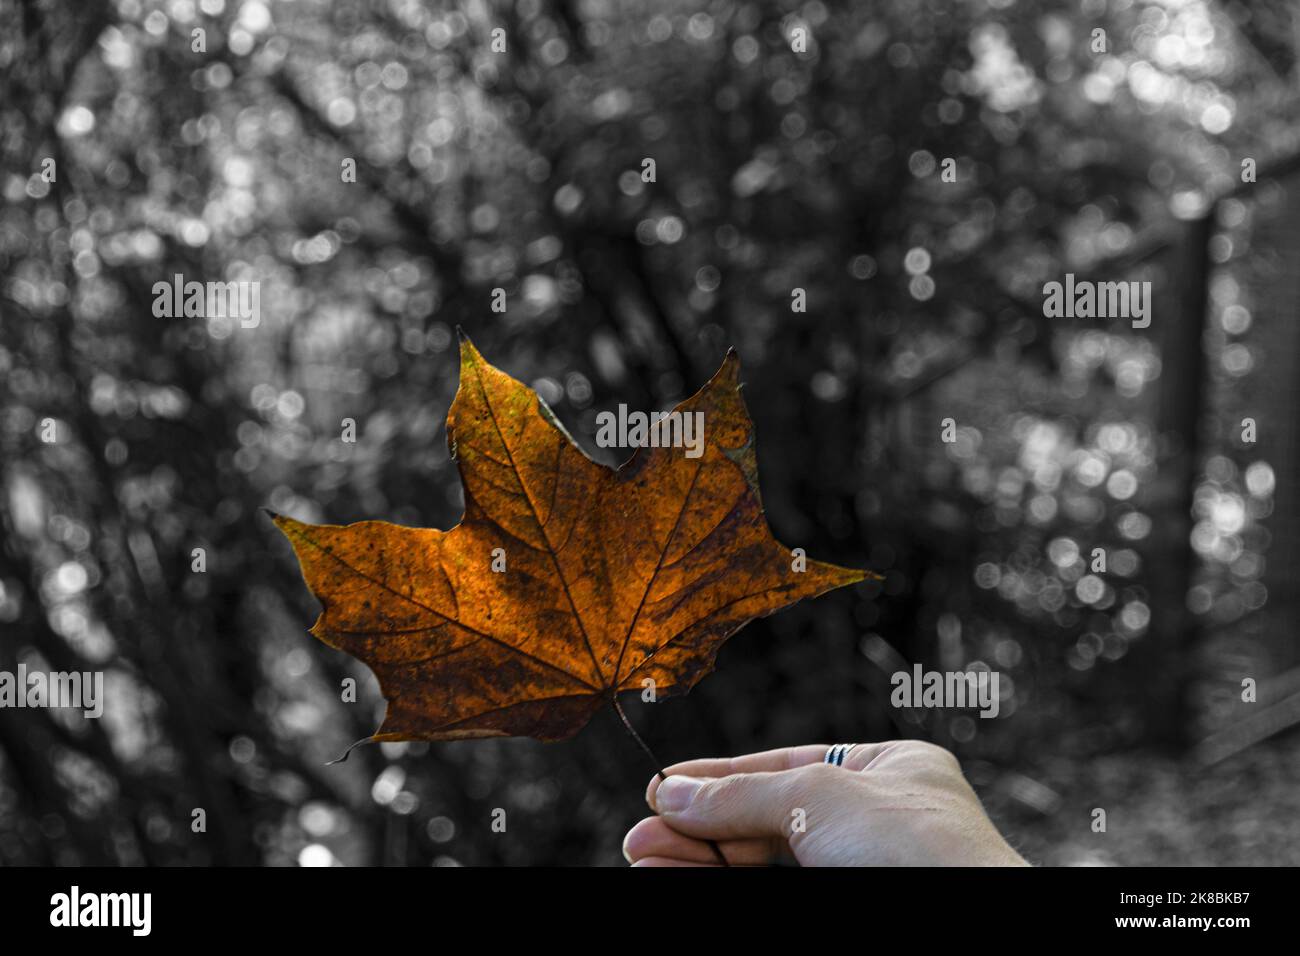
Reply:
x=896, y=803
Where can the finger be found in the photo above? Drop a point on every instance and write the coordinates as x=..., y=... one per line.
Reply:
x=743, y=805
x=667, y=861
x=784, y=758
x=653, y=837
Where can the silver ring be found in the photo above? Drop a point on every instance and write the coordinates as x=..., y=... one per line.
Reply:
x=836, y=753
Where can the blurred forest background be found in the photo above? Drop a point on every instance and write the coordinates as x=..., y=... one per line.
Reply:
x=774, y=170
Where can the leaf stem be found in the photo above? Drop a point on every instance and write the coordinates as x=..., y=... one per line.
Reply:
x=657, y=764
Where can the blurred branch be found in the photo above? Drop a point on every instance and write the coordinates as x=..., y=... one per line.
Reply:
x=414, y=218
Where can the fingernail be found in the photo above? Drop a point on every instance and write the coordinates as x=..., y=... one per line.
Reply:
x=676, y=793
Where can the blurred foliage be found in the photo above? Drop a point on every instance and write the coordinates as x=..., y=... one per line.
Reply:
x=775, y=170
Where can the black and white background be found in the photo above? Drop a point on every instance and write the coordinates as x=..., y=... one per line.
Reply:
x=864, y=199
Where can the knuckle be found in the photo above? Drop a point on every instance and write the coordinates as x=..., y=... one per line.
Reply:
x=808, y=782
x=815, y=794
x=720, y=792
x=800, y=787
x=932, y=754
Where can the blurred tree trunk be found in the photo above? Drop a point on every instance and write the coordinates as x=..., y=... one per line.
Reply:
x=1164, y=656
x=1277, y=237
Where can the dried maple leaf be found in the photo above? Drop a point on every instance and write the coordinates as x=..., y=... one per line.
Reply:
x=611, y=578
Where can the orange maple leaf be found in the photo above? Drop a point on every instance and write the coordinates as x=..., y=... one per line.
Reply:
x=612, y=578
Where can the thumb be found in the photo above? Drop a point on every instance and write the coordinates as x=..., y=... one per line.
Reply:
x=724, y=808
